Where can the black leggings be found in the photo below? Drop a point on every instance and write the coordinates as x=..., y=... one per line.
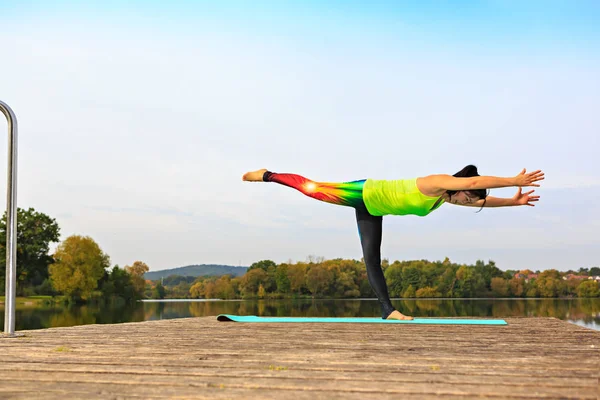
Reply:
x=370, y=232
x=369, y=226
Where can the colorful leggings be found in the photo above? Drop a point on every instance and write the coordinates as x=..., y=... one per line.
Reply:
x=369, y=226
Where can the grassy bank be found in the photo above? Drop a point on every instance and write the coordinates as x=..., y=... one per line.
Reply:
x=34, y=301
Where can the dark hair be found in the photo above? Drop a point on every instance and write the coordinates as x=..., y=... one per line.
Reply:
x=467, y=172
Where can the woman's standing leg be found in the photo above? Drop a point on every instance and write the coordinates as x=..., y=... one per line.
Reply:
x=370, y=230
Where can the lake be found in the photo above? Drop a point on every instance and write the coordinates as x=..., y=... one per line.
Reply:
x=583, y=312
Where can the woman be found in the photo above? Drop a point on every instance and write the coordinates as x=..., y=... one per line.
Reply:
x=372, y=199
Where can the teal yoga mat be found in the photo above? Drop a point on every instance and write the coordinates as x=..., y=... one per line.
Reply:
x=443, y=321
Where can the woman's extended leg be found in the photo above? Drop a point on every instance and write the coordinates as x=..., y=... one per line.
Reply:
x=370, y=232
x=343, y=193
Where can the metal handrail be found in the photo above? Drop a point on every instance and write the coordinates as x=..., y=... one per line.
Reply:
x=11, y=223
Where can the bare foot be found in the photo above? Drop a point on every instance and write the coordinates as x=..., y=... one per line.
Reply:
x=398, y=315
x=254, y=176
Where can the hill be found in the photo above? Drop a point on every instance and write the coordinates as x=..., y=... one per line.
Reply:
x=197, y=270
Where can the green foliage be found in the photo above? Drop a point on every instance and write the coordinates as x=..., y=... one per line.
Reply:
x=264, y=265
x=159, y=291
x=342, y=278
x=173, y=280
x=393, y=277
x=35, y=232
x=588, y=288
x=282, y=280
x=118, y=284
x=594, y=271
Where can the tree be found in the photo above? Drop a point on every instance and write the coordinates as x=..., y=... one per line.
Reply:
x=549, y=283
x=117, y=284
x=261, y=291
x=517, y=286
x=197, y=290
x=35, y=232
x=411, y=276
x=469, y=282
x=224, y=288
x=318, y=279
x=595, y=271
x=159, y=291
x=251, y=281
x=393, y=277
x=79, y=265
x=297, y=277
x=588, y=288
x=137, y=271
x=281, y=279
x=263, y=264
x=499, y=287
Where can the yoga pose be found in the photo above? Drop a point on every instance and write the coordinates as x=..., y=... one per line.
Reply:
x=372, y=199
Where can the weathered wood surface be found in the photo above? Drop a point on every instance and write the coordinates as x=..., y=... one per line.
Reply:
x=531, y=358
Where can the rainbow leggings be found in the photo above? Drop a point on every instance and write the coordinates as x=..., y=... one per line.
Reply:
x=344, y=193
x=369, y=226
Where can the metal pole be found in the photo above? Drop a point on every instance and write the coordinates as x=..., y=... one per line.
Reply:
x=11, y=223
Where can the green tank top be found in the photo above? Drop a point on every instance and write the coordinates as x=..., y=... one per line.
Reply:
x=397, y=197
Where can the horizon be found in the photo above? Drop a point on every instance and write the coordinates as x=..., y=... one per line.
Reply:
x=137, y=121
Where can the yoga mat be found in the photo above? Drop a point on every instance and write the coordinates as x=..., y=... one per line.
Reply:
x=443, y=321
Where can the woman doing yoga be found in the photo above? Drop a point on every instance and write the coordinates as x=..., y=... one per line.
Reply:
x=372, y=199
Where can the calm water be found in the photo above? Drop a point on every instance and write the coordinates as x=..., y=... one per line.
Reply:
x=584, y=312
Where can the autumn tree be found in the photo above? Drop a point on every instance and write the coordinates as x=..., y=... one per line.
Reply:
x=500, y=287
x=79, y=264
x=137, y=271
x=549, y=283
x=318, y=279
x=35, y=232
x=428, y=292
x=297, y=276
x=251, y=281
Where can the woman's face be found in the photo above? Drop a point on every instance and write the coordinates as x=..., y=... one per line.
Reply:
x=463, y=198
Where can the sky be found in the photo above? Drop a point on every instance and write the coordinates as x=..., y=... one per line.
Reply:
x=137, y=121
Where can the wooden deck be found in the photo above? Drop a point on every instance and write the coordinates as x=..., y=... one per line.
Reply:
x=531, y=358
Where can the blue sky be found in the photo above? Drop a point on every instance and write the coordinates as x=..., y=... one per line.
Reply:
x=137, y=122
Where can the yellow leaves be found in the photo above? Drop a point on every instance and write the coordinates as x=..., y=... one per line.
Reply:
x=137, y=271
x=80, y=263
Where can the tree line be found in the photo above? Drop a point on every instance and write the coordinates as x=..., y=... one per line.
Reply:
x=344, y=278
x=79, y=270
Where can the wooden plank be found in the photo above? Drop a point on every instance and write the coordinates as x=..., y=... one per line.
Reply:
x=203, y=358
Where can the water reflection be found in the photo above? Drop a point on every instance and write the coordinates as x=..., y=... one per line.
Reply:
x=584, y=312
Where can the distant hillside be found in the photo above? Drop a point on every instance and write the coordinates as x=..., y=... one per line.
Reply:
x=197, y=270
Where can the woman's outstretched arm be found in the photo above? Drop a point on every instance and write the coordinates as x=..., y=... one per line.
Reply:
x=437, y=184
x=519, y=199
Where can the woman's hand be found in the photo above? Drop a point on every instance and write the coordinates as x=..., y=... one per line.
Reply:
x=524, y=179
x=524, y=199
